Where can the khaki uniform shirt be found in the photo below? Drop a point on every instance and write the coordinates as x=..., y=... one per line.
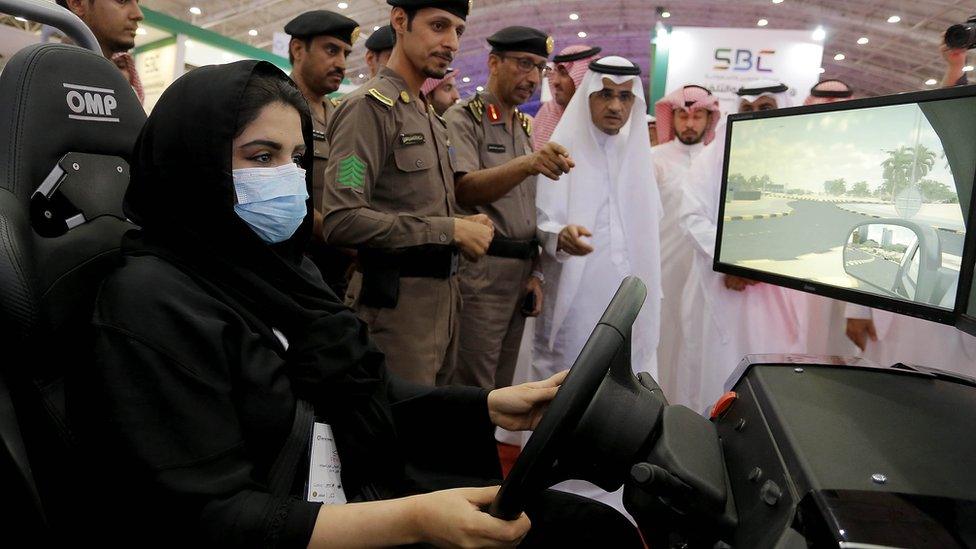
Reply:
x=390, y=184
x=390, y=180
x=320, y=152
x=491, y=320
x=481, y=140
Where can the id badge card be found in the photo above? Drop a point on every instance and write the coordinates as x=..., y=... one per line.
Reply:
x=324, y=470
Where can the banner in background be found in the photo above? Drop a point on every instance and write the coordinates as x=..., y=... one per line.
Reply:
x=157, y=70
x=723, y=60
x=279, y=44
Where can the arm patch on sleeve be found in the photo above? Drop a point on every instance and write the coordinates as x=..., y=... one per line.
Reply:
x=352, y=173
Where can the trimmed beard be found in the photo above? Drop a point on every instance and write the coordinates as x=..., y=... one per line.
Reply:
x=694, y=141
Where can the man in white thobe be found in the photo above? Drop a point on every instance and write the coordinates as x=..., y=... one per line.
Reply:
x=888, y=338
x=823, y=317
x=599, y=224
x=686, y=121
x=726, y=317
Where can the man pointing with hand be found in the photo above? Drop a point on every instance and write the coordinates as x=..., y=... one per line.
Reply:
x=599, y=224
x=494, y=175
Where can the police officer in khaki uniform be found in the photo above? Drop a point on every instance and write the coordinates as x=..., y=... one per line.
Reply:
x=320, y=43
x=379, y=47
x=390, y=194
x=495, y=171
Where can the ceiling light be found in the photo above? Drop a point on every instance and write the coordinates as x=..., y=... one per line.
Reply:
x=863, y=40
x=376, y=28
x=195, y=10
x=762, y=23
x=967, y=68
x=252, y=32
x=343, y=5
x=581, y=34
x=840, y=57
x=819, y=34
x=894, y=19
x=21, y=19
x=665, y=14
x=465, y=79
x=480, y=88
x=574, y=17
x=777, y=1
x=821, y=70
x=931, y=82
x=361, y=75
x=141, y=31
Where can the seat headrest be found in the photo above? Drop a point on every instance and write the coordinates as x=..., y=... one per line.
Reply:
x=55, y=99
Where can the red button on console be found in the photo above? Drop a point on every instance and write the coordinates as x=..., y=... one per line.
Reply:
x=723, y=404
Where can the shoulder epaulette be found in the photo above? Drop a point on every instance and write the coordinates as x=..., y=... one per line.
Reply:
x=335, y=102
x=526, y=122
x=375, y=94
x=476, y=107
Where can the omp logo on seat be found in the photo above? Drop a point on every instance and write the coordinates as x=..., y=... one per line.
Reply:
x=88, y=103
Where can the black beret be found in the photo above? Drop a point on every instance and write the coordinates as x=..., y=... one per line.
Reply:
x=382, y=39
x=323, y=22
x=460, y=8
x=524, y=39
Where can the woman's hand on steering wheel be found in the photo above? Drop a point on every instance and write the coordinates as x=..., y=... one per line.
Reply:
x=520, y=407
x=454, y=518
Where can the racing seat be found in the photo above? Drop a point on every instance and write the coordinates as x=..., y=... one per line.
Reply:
x=69, y=121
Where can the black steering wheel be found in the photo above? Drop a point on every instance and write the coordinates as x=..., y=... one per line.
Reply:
x=609, y=340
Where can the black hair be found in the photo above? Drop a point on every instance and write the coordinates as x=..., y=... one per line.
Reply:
x=307, y=40
x=264, y=89
x=411, y=13
x=64, y=3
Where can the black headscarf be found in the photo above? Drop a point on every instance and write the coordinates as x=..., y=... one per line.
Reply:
x=182, y=195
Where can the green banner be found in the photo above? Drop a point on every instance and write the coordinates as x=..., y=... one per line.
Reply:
x=177, y=26
x=659, y=66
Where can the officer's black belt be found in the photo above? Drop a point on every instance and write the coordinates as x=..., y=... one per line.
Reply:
x=515, y=249
x=428, y=261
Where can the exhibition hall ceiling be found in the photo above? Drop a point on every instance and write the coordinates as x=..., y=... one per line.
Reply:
x=901, y=52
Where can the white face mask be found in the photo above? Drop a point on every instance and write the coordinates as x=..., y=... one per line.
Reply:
x=271, y=200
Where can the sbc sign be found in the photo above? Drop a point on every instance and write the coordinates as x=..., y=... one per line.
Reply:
x=742, y=60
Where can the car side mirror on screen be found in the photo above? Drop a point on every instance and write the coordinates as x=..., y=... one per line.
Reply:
x=895, y=258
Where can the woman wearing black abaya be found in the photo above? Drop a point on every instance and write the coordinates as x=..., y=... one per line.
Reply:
x=216, y=342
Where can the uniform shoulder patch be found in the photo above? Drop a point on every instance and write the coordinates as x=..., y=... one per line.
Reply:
x=377, y=95
x=526, y=123
x=477, y=108
x=352, y=172
x=335, y=102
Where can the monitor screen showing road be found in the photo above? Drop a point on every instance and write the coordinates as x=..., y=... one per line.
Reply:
x=872, y=199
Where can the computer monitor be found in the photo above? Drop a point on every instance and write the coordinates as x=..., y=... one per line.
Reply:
x=866, y=201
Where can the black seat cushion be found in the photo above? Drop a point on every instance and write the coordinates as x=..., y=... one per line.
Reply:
x=57, y=100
